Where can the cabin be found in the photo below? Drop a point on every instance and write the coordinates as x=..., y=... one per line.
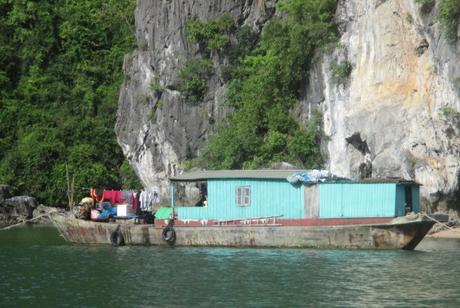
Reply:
x=255, y=194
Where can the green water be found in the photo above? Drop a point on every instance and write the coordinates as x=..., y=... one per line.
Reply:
x=37, y=268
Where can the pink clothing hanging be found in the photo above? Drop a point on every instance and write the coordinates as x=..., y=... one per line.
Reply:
x=118, y=196
x=109, y=195
x=114, y=196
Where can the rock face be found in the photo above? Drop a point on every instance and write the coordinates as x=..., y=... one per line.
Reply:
x=156, y=129
x=397, y=115
x=15, y=209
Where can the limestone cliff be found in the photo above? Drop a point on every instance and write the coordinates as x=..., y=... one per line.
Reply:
x=155, y=128
x=397, y=114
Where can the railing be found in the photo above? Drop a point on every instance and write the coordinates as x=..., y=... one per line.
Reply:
x=250, y=221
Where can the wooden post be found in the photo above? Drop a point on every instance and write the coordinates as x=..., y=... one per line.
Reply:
x=70, y=188
x=171, y=187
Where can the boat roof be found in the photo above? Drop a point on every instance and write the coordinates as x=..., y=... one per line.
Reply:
x=375, y=181
x=236, y=174
x=274, y=174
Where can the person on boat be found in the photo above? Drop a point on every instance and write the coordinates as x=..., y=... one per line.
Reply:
x=84, y=208
x=203, y=202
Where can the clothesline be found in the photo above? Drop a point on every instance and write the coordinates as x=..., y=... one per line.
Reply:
x=146, y=199
x=116, y=197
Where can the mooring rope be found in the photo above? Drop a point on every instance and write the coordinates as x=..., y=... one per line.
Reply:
x=441, y=223
x=28, y=220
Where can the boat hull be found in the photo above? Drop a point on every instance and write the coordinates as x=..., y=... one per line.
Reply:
x=397, y=234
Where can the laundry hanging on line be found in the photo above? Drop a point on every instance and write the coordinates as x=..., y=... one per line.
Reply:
x=117, y=197
x=149, y=198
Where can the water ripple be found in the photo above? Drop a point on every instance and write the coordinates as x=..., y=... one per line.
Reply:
x=54, y=273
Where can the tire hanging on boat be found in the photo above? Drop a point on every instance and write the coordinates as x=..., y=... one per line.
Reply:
x=169, y=235
x=116, y=238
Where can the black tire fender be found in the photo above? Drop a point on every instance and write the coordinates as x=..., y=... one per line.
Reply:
x=116, y=238
x=169, y=234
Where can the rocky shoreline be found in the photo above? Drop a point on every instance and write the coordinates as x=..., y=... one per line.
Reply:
x=16, y=209
x=453, y=233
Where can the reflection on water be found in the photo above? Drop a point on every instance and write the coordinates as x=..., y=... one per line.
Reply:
x=39, y=268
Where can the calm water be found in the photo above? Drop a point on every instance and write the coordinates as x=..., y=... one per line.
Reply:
x=37, y=268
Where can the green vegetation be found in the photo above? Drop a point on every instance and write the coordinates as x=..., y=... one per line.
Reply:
x=155, y=87
x=449, y=16
x=409, y=18
x=60, y=72
x=264, y=86
x=341, y=71
x=159, y=104
x=61, y=68
x=129, y=179
x=211, y=35
x=449, y=112
x=193, y=79
x=218, y=35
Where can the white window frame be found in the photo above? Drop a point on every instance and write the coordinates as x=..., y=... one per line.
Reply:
x=243, y=196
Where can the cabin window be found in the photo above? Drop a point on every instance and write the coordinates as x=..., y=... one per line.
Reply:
x=243, y=196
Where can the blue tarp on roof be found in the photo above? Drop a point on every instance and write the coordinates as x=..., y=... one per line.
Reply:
x=309, y=177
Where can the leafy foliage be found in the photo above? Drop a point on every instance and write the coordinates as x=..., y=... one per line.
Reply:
x=449, y=16
x=449, y=112
x=211, y=35
x=128, y=177
x=60, y=71
x=264, y=87
x=341, y=71
x=193, y=79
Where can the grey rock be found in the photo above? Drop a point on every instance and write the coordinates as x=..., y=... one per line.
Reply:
x=16, y=209
x=402, y=99
x=159, y=130
x=21, y=206
x=41, y=210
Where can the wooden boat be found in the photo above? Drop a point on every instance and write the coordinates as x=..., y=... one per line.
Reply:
x=260, y=208
x=400, y=233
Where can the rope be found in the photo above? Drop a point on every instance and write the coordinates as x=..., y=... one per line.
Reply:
x=441, y=223
x=27, y=220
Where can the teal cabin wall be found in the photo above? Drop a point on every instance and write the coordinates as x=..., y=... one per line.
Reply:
x=268, y=198
x=354, y=200
x=401, y=199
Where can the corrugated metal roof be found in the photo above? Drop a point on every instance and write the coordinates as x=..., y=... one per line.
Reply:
x=375, y=181
x=235, y=174
x=274, y=175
